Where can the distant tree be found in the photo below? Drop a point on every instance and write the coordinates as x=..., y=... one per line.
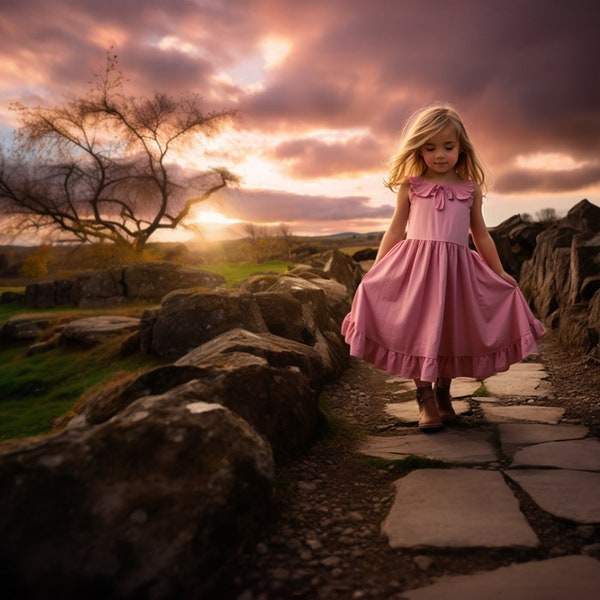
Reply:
x=546, y=215
x=261, y=242
x=102, y=167
x=36, y=263
x=287, y=241
x=526, y=217
x=268, y=242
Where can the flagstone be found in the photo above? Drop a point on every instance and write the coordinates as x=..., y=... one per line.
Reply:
x=460, y=447
x=457, y=508
x=573, y=495
x=576, y=577
x=408, y=412
x=464, y=386
x=516, y=435
x=524, y=379
x=580, y=455
x=540, y=414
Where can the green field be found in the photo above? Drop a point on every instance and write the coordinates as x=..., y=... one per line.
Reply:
x=235, y=272
x=35, y=390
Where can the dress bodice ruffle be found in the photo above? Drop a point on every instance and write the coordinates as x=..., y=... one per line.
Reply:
x=441, y=192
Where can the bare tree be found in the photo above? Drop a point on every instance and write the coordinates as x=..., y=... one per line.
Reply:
x=102, y=166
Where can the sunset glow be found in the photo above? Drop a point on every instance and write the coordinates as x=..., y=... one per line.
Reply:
x=275, y=51
x=204, y=217
x=548, y=161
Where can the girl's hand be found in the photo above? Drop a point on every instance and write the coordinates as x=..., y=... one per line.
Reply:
x=508, y=278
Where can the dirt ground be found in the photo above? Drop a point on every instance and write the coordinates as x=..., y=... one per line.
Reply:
x=324, y=539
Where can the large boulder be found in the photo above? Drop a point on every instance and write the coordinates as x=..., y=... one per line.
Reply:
x=260, y=282
x=365, y=254
x=99, y=288
x=337, y=298
x=278, y=403
x=515, y=241
x=584, y=216
x=189, y=318
x=47, y=294
x=152, y=281
x=283, y=316
x=585, y=263
x=545, y=278
x=275, y=350
x=155, y=503
x=28, y=326
x=92, y=331
x=322, y=321
x=563, y=276
x=340, y=267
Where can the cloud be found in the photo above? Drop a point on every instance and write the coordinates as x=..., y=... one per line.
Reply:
x=268, y=206
x=538, y=180
x=313, y=158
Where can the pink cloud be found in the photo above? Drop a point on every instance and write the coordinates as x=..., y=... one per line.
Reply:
x=267, y=206
x=310, y=158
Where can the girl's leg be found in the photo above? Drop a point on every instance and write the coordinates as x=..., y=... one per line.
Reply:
x=429, y=417
x=443, y=399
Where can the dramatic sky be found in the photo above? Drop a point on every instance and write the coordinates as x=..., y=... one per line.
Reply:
x=323, y=87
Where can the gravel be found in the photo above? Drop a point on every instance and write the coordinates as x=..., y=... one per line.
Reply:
x=324, y=538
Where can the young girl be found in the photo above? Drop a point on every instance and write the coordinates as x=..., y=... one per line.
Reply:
x=431, y=309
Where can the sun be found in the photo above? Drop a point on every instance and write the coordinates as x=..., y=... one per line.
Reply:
x=212, y=217
x=275, y=50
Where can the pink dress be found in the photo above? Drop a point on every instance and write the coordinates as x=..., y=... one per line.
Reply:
x=431, y=307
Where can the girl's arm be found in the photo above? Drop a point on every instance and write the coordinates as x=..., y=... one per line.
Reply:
x=397, y=227
x=483, y=240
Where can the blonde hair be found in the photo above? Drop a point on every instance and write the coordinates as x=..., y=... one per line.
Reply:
x=419, y=129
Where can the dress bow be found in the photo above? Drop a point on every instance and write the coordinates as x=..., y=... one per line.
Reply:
x=440, y=194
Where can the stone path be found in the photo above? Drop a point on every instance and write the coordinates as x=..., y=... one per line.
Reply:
x=473, y=504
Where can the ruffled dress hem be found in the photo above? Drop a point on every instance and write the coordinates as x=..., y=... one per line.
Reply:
x=429, y=369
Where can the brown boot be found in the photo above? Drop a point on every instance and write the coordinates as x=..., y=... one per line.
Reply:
x=429, y=418
x=443, y=401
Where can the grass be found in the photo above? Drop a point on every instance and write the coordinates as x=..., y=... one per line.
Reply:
x=235, y=272
x=481, y=392
x=10, y=309
x=36, y=390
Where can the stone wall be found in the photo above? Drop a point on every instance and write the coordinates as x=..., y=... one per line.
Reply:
x=154, y=484
x=141, y=282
